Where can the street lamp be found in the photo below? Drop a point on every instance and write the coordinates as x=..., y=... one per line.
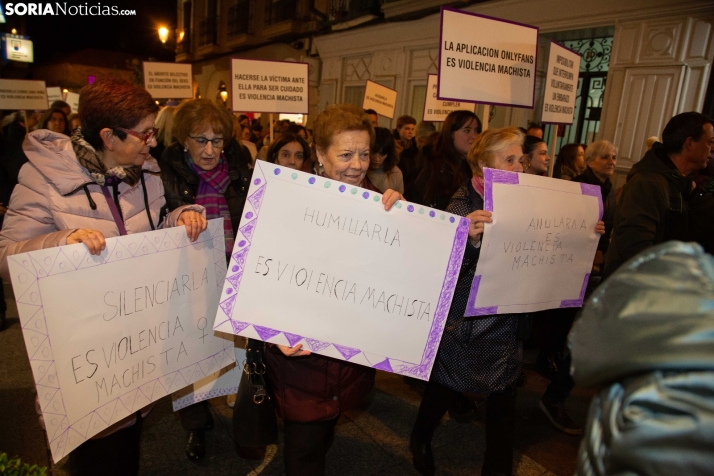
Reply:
x=163, y=34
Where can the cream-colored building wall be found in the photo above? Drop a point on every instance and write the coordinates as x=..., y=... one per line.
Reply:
x=660, y=64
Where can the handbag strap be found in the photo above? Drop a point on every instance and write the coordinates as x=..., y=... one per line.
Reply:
x=255, y=368
x=113, y=208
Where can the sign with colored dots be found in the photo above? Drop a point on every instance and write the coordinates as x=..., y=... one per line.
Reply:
x=107, y=335
x=321, y=264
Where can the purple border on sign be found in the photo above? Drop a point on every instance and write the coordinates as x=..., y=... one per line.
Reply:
x=385, y=87
x=548, y=69
x=307, y=110
x=492, y=176
x=441, y=42
x=61, y=433
x=240, y=253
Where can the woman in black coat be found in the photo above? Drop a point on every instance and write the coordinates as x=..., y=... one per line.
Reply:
x=205, y=166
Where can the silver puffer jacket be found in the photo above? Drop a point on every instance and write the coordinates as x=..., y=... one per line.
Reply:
x=646, y=337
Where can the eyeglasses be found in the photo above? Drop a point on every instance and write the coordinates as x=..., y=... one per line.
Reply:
x=145, y=137
x=202, y=141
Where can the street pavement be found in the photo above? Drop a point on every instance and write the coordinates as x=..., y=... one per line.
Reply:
x=370, y=440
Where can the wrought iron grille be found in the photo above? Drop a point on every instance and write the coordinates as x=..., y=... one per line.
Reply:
x=240, y=18
x=280, y=10
x=208, y=31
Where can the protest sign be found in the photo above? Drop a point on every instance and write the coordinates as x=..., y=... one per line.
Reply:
x=107, y=335
x=220, y=383
x=486, y=60
x=380, y=98
x=436, y=110
x=561, y=85
x=270, y=86
x=353, y=281
x=73, y=100
x=53, y=94
x=168, y=80
x=22, y=94
x=541, y=243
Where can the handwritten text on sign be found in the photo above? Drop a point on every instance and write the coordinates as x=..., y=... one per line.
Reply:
x=486, y=60
x=270, y=86
x=22, y=94
x=353, y=282
x=109, y=334
x=380, y=98
x=436, y=110
x=561, y=85
x=542, y=242
x=168, y=80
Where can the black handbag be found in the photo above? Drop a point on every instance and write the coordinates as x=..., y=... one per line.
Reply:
x=255, y=425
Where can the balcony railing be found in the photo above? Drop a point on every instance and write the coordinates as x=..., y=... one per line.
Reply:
x=240, y=18
x=277, y=11
x=344, y=10
x=208, y=31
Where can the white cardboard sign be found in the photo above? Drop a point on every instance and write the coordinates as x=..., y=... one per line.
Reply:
x=561, y=85
x=436, y=110
x=380, y=98
x=538, y=252
x=486, y=60
x=218, y=384
x=270, y=86
x=168, y=80
x=53, y=94
x=73, y=100
x=22, y=94
x=353, y=281
x=107, y=335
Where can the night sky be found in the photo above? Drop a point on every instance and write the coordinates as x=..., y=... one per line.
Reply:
x=128, y=34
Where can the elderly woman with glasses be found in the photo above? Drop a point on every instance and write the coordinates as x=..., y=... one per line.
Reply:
x=100, y=183
x=205, y=166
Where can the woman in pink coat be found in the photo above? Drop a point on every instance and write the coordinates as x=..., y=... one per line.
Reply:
x=100, y=183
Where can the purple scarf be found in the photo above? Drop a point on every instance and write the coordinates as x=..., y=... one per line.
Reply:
x=213, y=184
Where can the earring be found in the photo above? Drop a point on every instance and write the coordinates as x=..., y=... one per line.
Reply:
x=185, y=149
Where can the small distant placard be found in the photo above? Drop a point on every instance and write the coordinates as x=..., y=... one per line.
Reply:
x=168, y=80
x=436, y=110
x=73, y=100
x=53, y=94
x=270, y=86
x=561, y=85
x=486, y=60
x=22, y=94
x=380, y=98
x=18, y=49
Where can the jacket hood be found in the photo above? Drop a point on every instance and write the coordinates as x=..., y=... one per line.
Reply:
x=657, y=161
x=52, y=154
x=656, y=312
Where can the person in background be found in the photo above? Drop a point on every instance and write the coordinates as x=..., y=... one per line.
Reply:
x=651, y=141
x=535, y=156
x=13, y=157
x=408, y=157
x=298, y=130
x=62, y=105
x=245, y=136
x=164, y=137
x=195, y=170
x=373, y=116
x=278, y=129
x=570, y=162
x=311, y=391
x=535, y=129
x=310, y=136
x=659, y=201
x=244, y=120
x=481, y=355
x=383, y=171
x=256, y=130
x=404, y=134
x=291, y=151
x=443, y=168
x=74, y=122
x=109, y=156
x=54, y=120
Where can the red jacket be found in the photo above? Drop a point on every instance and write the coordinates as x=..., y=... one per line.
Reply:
x=314, y=387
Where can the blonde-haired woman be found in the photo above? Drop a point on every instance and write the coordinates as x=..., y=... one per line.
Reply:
x=481, y=355
x=164, y=138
